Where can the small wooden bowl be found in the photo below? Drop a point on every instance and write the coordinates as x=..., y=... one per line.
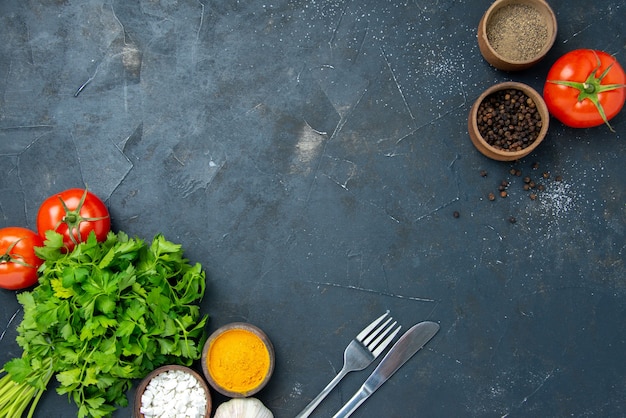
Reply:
x=145, y=381
x=208, y=357
x=494, y=56
x=495, y=153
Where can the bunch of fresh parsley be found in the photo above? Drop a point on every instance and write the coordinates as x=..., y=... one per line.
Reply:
x=103, y=315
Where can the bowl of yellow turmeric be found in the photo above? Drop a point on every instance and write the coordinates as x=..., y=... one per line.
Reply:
x=238, y=360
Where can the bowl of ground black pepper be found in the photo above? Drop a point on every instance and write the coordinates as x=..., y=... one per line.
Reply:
x=508, y=121
x=516, y=34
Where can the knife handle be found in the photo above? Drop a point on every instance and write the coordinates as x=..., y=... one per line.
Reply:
x=354, y=402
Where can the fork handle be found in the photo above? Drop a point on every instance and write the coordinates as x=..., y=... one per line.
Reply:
x=319, y=398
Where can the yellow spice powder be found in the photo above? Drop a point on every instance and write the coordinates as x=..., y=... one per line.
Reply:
x=238, y=360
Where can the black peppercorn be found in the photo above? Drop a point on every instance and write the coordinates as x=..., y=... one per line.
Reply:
x=508, y=120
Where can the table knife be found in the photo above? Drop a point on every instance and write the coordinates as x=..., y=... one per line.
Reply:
x=409, y=344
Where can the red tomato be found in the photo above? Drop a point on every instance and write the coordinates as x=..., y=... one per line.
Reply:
x=18, y=262
x=585, y=88
x=74, y=213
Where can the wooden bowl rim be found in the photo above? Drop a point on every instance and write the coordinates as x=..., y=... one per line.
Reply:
x=162, y=369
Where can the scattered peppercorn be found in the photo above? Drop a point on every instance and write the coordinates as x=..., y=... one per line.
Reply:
x=508, y=120
x=528, y=184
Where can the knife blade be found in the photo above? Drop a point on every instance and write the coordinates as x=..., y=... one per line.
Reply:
x=409, y=344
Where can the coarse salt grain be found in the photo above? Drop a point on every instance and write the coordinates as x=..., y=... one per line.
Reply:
x=173, y=394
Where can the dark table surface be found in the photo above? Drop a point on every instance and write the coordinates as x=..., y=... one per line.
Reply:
x=311, y=155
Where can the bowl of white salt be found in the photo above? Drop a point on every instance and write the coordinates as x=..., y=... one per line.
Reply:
x=514, y=35
x=173, y=389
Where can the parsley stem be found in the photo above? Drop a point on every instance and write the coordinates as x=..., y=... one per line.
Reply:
x=40, y=392
x=15, y=396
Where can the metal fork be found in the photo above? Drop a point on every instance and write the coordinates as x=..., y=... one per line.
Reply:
x=360, y=353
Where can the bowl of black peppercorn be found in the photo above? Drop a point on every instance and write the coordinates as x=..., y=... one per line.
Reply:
x=508, y=121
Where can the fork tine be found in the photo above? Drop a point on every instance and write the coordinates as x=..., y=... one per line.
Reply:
x=382, y=333
x=374, y=334
x=381, y=347
x=371, y=326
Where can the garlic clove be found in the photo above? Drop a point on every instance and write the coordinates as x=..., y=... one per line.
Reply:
x=243, y=408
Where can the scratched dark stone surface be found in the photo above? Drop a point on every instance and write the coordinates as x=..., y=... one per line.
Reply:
x=310, y=154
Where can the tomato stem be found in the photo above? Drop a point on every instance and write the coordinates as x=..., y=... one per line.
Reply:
x=70, y=218
x=14, y=258
x=73, y=218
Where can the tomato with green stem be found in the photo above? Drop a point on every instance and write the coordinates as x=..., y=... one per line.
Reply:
x=18, y=262
x=585, y=88
x=74, y=213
